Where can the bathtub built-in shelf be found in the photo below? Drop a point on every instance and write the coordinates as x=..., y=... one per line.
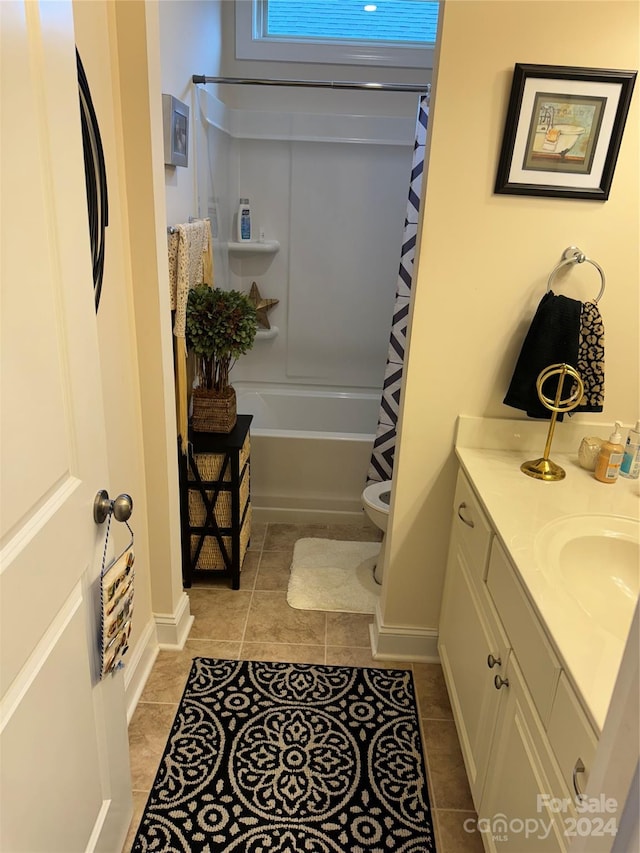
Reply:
x=267, y=334
x=267, y=247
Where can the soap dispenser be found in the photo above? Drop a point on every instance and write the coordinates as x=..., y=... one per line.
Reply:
x=630, y=466
x=610, y=457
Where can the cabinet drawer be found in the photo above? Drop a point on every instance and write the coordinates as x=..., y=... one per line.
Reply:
x=471, y=530
x=571, y=736
x=529, y=642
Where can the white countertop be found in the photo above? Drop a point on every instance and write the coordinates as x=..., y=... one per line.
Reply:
x=491, y=452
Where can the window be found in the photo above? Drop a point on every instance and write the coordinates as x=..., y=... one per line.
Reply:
x=399, y=33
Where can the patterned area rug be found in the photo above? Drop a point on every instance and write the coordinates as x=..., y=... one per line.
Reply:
x=291, y=758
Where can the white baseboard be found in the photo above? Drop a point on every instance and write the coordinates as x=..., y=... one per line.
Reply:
x=138, y=667
x=173, y=628
x=401, y=642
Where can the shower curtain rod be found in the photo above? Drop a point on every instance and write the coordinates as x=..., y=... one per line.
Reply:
x=318, y=84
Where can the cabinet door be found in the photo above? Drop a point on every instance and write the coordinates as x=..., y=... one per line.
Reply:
x=522, y=780
x=470, y=631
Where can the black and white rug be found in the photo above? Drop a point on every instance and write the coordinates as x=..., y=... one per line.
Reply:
x=288, y=758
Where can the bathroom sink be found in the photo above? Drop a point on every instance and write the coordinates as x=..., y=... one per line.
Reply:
x=595, y=559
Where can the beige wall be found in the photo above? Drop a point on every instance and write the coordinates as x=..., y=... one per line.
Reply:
x=190, y=43
x=484, y=262
x=138, y=59
x=116, y=329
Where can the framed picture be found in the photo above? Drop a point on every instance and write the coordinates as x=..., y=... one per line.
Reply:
x=175, y=117
x=563, y=131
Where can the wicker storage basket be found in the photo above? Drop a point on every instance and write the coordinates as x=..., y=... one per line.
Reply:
x=210, y=464
x=222, y=511
x=214, y=412
x=210, y=556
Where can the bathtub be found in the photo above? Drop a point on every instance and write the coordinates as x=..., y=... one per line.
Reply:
x=310, y=451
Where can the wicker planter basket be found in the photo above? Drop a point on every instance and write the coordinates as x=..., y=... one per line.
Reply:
x=214, y=412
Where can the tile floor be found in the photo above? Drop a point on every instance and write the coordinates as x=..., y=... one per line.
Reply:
x=255, y=622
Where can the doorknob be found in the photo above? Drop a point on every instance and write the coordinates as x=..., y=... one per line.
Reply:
x=121, y=507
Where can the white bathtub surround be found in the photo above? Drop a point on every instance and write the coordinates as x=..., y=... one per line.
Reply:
x=309, y=451
x=332, y=575
x=335, y=307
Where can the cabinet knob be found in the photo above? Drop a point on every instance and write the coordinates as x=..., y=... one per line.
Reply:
x=578, y=768
x=491, y=661
x=500, y=682
x=467, y=521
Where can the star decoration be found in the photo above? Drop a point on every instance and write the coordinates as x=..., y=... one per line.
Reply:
x=261, y=305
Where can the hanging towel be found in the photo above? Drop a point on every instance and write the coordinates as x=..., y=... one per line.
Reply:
x=172, y=249
x=591, y=359
x=193, y=266
x=190, y=263
x=553, y=338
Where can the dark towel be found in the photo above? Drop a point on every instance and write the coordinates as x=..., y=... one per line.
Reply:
x=591, y=359
x=552, y=339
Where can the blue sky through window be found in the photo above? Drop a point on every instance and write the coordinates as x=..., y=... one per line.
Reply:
x=393, y=21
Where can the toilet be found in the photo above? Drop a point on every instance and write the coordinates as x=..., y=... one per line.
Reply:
x=376, y=500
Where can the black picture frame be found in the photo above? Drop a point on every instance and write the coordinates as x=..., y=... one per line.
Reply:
x=563, y=131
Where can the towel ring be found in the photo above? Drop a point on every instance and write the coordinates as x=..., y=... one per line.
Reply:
x=573, y=255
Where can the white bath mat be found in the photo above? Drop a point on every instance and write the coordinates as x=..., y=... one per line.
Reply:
x=327, y=574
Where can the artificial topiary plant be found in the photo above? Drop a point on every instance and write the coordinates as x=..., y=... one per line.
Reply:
x=221, y=325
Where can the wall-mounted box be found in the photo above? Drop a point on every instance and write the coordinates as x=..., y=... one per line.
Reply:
x=175, y=117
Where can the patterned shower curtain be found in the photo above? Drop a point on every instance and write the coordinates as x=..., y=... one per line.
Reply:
x=381, y=465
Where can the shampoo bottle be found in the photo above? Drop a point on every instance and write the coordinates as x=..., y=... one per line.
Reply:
x=630, y=465
x=244, y=221
x=610, y=457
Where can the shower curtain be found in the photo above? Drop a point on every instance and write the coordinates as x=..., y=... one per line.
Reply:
x=381, y=465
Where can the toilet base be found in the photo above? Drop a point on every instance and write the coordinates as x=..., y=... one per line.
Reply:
x=378, y=568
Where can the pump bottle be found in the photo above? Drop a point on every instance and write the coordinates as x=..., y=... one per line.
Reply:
x=610, y=457
x=630, y=465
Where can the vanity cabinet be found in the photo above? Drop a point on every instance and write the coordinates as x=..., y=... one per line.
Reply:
x=523, y=731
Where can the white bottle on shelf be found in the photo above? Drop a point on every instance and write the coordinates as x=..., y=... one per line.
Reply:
x=630, y=466
x=244, y=221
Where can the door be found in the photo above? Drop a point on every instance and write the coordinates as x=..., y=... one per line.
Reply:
x=64, y=773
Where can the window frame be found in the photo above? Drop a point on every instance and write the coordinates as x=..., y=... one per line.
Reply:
x=251, y=44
